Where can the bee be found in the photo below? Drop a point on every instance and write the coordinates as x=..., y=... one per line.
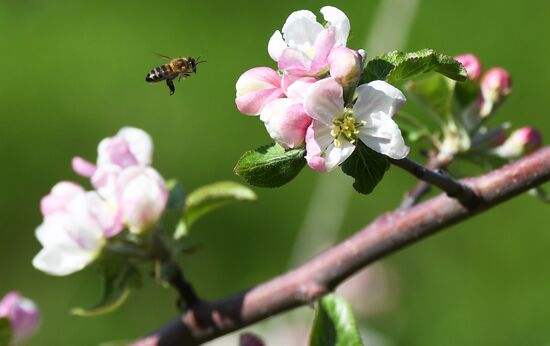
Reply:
x=177, y=67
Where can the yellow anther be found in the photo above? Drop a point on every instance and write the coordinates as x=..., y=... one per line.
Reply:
x=347, y=127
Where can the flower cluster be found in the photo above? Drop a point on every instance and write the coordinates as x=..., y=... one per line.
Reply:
x=22, y=314
x=128, y=194
x=495, y=85
x=315, y=97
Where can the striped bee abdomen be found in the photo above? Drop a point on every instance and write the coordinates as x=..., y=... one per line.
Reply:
x=158, y=73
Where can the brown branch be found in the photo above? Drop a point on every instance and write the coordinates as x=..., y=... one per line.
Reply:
x=388, y=233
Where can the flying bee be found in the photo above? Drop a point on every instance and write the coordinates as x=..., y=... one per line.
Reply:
x=178, y=67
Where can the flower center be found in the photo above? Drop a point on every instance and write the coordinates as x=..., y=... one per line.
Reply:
x=346, y=127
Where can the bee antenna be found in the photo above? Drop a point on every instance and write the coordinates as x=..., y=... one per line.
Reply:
x=199, y=61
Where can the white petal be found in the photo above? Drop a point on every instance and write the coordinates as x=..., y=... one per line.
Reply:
x=334, y=156
x=324, y=101
x=62, y=261
x=301, y=30
x=378, y=96
x=339, y=21
x=382, y=134
x=276, y=45
x=140, y=142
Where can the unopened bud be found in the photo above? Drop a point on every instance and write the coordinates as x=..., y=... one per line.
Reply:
x=471, y=64
x=496, y=85
x=521, y=142
x=23, y=316
x=346, y=66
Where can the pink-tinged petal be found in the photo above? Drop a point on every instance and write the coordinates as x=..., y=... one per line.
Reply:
x=253, y=103
x=142, y=195
x=23, y=315
x=59, y=197
x=382, y=134
x=257, y=78
x=299, y=87
x=104, y=181
x=140, y=143
x=323, y=45
x=255, y=88
x=301, y=29
x=471, y=64
x=318, y=139
x=377, y=96
x=295, y=61
x=345, y=65
x=83, y=167
x=339, y=21
x=276, y=45
x=116, y=151
x=287, y=80
x=130, y=146
x=324, y=101
x=286, y=121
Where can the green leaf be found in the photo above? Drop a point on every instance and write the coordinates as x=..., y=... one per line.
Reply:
x=208, y=198
x=434, y=93
x=396, y=66
x=334, y=324
x=176, y=198
x=5, y=331
x=118, y=279
x=271, y=165
x=367, y=167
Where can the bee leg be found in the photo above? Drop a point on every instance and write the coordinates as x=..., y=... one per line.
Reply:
x=171, y=86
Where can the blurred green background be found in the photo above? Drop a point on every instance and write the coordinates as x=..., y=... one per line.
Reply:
x=73, y=73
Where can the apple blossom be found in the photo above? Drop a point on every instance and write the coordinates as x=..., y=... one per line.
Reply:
x=304, y=45
x=333, y=134
x=496, y=85
x=74, y=229
x=521, y=142
x=257, y=87
x=471, y=64
x=22, y=314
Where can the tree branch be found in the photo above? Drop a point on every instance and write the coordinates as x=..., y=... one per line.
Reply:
x=452, y=187
x=421, y=188
x=388, y=233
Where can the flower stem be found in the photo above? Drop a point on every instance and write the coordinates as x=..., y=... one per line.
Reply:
x=452, y=187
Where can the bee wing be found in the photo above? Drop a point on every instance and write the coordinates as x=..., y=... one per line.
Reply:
x=163, y=57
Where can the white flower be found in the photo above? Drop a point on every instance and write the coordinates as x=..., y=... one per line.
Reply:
x=304, y=45
x=335, y=130
x=74, y=229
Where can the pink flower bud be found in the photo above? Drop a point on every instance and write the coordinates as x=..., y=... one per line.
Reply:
x=286, y=121
x=521, y=142
x=471, y=64
x=256, y=88
x=297, y=87
x=346, y=66
x=23, y=315
x=141, y=197
x=496, y=85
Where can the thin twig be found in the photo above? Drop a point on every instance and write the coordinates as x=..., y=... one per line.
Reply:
x=385, y=235
x=421, y=188
x=452, y=187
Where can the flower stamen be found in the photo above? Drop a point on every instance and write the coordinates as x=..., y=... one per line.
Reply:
x=346, y=127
